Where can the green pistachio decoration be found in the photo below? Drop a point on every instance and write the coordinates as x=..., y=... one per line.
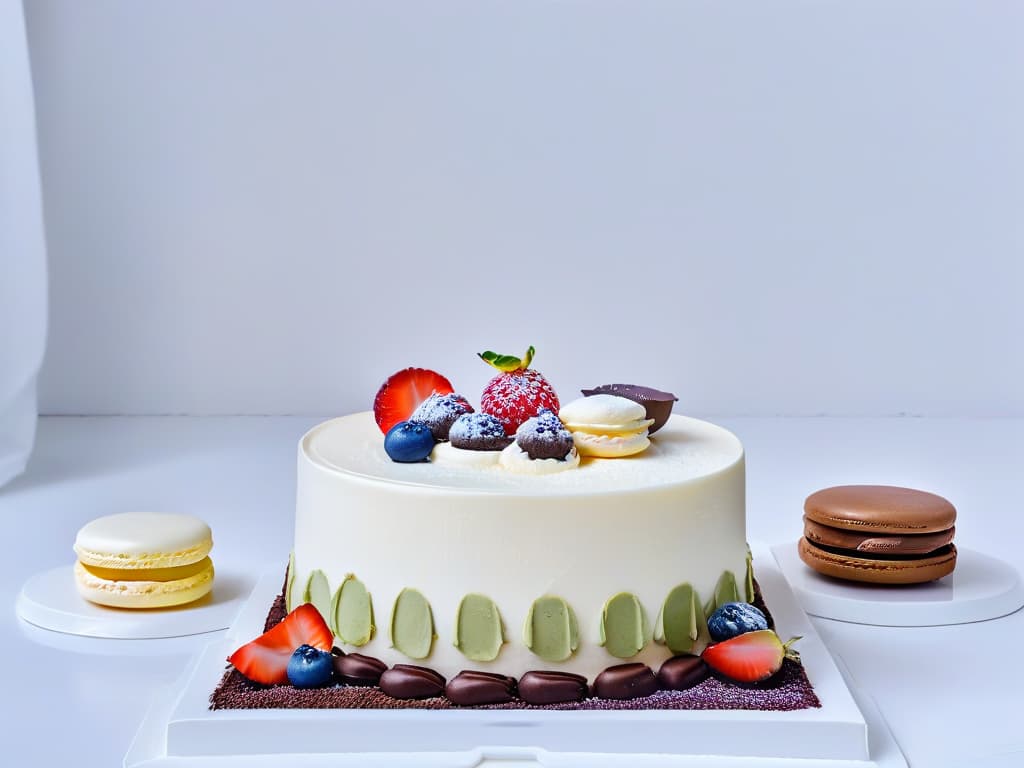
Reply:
x=318, y=592
x=750, y=576
x=478, y=631
x=681, y=621
x=726, y=591
x=289, y=581
x=352, y=612
x=551, y=631
x=624, y=627
x=412, y=624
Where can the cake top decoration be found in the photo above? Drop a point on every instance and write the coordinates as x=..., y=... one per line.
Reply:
x=657, y=403
x=544, y=436
x=478, y=432
x=403, y=392
x=518, y=392
x=439, y=412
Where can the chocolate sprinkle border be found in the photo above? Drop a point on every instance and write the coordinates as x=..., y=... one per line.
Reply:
x=787, y=691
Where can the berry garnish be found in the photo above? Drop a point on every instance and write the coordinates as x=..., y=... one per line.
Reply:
x=265, y=659
x=544, y=436
x=516, y=393
x=439, y=412
x=732, y=619
x=478, y=432
x=310, y=667
x=751, y=657
x=402, y=393
x=408, y=441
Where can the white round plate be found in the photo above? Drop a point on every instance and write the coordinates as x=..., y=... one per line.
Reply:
x=980, y=588
x=51, y=601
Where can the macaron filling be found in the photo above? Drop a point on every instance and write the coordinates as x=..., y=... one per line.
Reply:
x=149, y=574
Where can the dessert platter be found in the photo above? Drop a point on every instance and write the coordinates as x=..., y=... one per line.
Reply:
x=518, y=579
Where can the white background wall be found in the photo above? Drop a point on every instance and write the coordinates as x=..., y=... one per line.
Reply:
x=768, y=207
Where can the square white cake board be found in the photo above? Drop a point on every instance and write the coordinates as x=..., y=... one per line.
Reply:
x=181, y=730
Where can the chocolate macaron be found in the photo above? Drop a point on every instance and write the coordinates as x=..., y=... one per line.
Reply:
x=879, y=534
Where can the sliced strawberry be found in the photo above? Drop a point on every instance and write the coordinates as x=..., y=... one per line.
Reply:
x=750, y=657
x=265, y=659
x=400, y=395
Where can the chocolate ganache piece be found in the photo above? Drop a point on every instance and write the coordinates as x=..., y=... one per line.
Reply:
x=626, y=681
x=439, y=412
x=682, y=672
x=408, y=681
x=478, y=432
x=472, y=688
x=544, y=436
x=658, y=404
x=357, y=669
x=543, y=687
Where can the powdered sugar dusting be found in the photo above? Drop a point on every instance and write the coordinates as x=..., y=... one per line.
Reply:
x=439, y=412
x=474, y=426
x=544, y=436
x=515, y=397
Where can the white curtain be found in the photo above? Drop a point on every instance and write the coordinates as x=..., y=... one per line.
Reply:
x=22, y=248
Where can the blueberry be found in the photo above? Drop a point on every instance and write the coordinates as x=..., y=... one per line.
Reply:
x=734, y=619
x=409, y=441
x=310, y=667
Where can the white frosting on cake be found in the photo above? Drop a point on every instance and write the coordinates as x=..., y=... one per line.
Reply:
x=643, y=524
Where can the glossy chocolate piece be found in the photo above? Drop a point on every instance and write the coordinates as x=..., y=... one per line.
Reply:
x=682, y=672
x=357, y=669
x=658, y=404
x=471, y=688
x=408, y=681
x=542, y=687
x=626, y=681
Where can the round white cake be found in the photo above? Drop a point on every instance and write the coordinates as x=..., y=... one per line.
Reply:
x=566, y=571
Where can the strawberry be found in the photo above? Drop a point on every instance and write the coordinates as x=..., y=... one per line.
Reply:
x=400, y=395
x=750, y=657
x=265, y=659
x=517, y=393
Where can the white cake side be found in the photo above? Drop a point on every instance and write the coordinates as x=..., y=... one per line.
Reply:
x=640, y=525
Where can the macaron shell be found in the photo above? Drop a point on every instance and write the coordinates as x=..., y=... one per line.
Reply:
x=880, y=509
x=878, y=571
x=876, y=543
x=134, y=540
x=602, y=409
x=143, y=594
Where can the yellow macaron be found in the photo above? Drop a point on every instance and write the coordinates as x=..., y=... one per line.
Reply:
x=144, y=560
x=607, y=426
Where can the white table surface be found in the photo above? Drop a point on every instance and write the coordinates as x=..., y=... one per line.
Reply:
x=952, y=695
